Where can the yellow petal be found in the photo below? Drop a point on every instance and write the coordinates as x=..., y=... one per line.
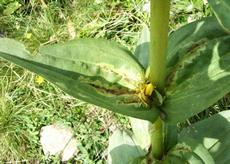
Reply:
x=28, y=35
x=39, y=80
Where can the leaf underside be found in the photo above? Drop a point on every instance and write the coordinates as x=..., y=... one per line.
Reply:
x=90, y=70
x=123, y=149
x=141, y=132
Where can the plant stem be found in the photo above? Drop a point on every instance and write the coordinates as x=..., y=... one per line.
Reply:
x=157, y=139
x=159, y=21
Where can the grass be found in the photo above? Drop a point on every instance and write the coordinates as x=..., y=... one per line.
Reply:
x=27, y=105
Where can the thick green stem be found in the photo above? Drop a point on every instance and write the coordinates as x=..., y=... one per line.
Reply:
x=157, y=139
x=159, y=21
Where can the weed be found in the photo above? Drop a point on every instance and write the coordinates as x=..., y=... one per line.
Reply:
x=26, y=106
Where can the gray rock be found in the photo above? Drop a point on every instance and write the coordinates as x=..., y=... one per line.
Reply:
x=58, y=139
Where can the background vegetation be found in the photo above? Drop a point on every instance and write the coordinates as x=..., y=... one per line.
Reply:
x=28, y=102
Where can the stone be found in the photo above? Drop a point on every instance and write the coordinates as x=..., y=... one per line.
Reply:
x=58, y=139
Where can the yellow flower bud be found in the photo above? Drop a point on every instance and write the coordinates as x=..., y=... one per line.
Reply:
x=149, y=89
x=39, y=80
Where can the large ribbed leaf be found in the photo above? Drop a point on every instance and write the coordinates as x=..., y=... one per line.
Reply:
x=221, y=9
x=142, y=50
x=95, y=71
x=188, y=151
x=141, y=132
x=198, y=69
x=95, y=58
x=214, y=134
x=170, y=139
x=123, y=149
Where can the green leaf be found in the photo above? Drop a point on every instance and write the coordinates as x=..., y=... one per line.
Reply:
x=96, y=58
x=170, y=139
x=95, y=71
x=222, y=9
x=214, y=134
x=123, y=149
x=198, y=69
x=188, y=151
x=142, y=50
x=141, y=131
